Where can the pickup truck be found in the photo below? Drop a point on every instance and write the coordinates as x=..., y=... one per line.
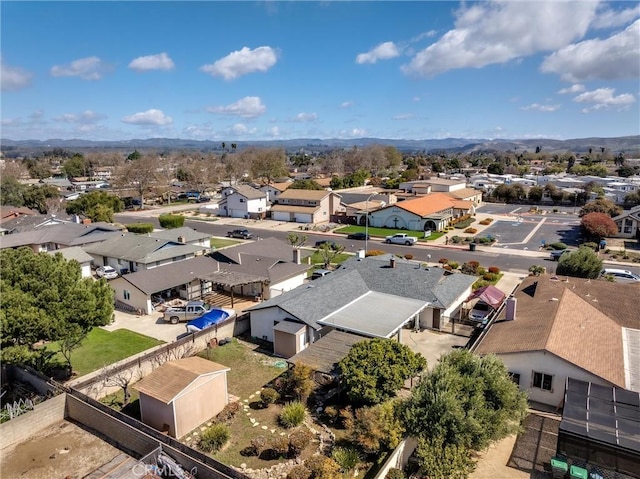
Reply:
x=401, y=238
x=192, y=310
x=240, y=233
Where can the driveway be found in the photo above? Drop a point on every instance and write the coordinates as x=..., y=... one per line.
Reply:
x=432, y=344
x=151, y=325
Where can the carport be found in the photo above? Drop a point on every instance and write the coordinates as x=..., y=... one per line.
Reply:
x=230, y=281
x=376, y=315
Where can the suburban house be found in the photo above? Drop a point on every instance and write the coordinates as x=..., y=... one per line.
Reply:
x=76, y=253
x=254, y=271
x=130, y=252
x=628, y=223
x=555, y=328
x=59, y=236
x=180, y=395
x=10, y=212
x=184, y=235
x=274, y=190
x=432, y=185
x=243, y=201
x=23, y=223
x=373, y=297
x=432, y=212
x=306, y=206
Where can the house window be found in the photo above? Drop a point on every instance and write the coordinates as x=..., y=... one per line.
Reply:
x=542, y=381
x=628, y=226
x=127, y=294
x=241, y=200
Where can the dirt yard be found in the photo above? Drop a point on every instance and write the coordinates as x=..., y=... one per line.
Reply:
x=62, y=451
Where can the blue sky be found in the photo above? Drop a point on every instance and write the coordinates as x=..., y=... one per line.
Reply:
x=239, y=71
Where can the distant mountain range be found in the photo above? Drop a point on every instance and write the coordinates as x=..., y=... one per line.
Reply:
x=625, y=144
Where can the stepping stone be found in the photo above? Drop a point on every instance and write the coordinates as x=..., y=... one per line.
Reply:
x=245, y=400
x=249, y=413
x=252, y=396
x=256, y=424
x=272, y=431
x=252, y=419
x=264, y=427
x=258, y=392
x=202, y=428
x=282, y=433
x=208, y=424
x=195, y=434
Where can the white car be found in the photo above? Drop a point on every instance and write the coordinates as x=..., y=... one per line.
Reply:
x=621, y=275
x=480, y=311
x=106, y=272
x=401, y=238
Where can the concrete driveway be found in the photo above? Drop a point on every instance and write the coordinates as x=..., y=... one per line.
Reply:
x=432, y=344
x=151, y=325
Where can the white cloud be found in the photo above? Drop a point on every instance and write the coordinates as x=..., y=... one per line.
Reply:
x=604, y=99
x=274, y=131
x=539, y=107
x=161, y=61
x=14, y=78
x=613, y=58
x=240, y=129
x=404, y=116
x=384, y=51
x=149, y=117
x=346, y=104
x=354, y=133
x=575, y=88
x=608, y=18
x=305, y=117
x=501, y=31
x=241, y=62
x=90, y=68
x=247, y=107
x=86, y=116
x=416, y=98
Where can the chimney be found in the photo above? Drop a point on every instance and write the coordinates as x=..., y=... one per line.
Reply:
x=511, y=308
x=181, y=239
x=360, y=254
x=296, y=255
x=392, y=263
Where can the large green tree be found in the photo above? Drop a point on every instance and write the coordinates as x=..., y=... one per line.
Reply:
x=44, y=298
x=582, y=263
x=374, y=371
x=97, y=205
x=601, y=205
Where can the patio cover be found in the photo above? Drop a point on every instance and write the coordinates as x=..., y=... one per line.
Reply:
x=489, y=294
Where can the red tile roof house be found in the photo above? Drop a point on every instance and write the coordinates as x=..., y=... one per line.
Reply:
x=430, y=212
x=181, y=395
x=564, y=327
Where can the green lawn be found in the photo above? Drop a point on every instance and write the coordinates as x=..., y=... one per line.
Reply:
x=382, y=232
x=217, y=243
x=103, y=347
x=316, y=259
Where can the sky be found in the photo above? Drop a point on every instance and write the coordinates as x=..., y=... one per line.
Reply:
x=250, y=70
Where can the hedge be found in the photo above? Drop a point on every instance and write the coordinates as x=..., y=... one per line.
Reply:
x=171, y=221
x=140, y=228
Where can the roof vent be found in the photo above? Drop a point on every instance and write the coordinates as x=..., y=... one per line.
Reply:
x=553, y=299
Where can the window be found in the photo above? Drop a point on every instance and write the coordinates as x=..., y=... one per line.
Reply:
x=542, y=381
x=241, y=200
x=127, y=294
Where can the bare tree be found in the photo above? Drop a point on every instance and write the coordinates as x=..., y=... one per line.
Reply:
x=119, y=378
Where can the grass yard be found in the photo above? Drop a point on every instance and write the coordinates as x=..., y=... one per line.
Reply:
x=382, y=232
x=217, y=243
x=316, y=259
x=103, y=347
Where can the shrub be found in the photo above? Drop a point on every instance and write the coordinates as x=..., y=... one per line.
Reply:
x=591, y=245
x=470, y=267
x=494, y=269
x=322, y=467
x=140, y=228
x=346, y=417
x=394, y=473
x=279, y=446
x=346, y=457
x=471, y=231
x=486, y=221
x=171, y=221
x=292, y=414
x=456, y=239
x=558, y=246
x=408, y=256
x=229, y=412
x=537, y=270
x=447, y=267
x=443, y=260
x=331, y=413
x=269, y=396
x=299, y=472
x=298, y=440
x=453, y=264
x=490, y=277
x=213, y=438
x=258, y=444
x=374, y=252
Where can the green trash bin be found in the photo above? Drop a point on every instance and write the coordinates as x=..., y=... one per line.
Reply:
x=472, y=246
x=576, y=472
x=559, y=468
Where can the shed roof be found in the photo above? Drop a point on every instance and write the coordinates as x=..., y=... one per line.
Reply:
x=169, y=380
x=324, y=354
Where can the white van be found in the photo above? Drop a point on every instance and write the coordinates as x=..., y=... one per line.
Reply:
x=621, y=275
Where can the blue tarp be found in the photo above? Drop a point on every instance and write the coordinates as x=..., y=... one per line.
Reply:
x=208, y=319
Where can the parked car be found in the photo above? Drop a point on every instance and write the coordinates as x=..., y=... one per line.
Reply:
x=319, y=273
x=358, y=236
x=480, y=311
x=332, y=244
x=106, y=272
x=211, y=318
x=192, y=310
x=401, y=238
x=240, y=233
x=555, y=255
x=203, y=199
x=620, y=275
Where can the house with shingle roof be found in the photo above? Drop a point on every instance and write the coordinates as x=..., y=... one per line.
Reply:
x=274, y=190
x=372, y=297
x=628, y=223
x=555, y=328
x=243, y=201
x=180, y=395
x=306, y=206
x=76, y=253
x=432, y=212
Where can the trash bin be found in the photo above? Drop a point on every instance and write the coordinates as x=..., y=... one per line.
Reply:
x=576, y=472
x=559, y=467
x=472, y=246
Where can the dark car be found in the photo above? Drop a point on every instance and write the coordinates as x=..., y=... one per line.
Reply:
x=240, y=233
x=555, y=255
x=359, y=236
x=332, y=244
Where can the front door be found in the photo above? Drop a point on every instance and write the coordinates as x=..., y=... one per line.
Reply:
x=436, y=319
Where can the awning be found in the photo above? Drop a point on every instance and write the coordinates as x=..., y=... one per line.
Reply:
x=489, y=294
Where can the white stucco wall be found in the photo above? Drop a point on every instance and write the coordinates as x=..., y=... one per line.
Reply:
x=544, y=362
x=262, y=322
x=286, y=285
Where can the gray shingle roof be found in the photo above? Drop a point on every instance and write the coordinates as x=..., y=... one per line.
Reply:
x=249, y=192
x=74, y=253
x=266, y=248
x=67, y=235
x=189, y=234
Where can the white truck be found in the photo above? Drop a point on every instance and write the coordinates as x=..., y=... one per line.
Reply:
x=401, y=238
x=192, y=310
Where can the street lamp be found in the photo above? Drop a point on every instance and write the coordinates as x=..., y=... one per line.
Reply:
x=366, y=223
